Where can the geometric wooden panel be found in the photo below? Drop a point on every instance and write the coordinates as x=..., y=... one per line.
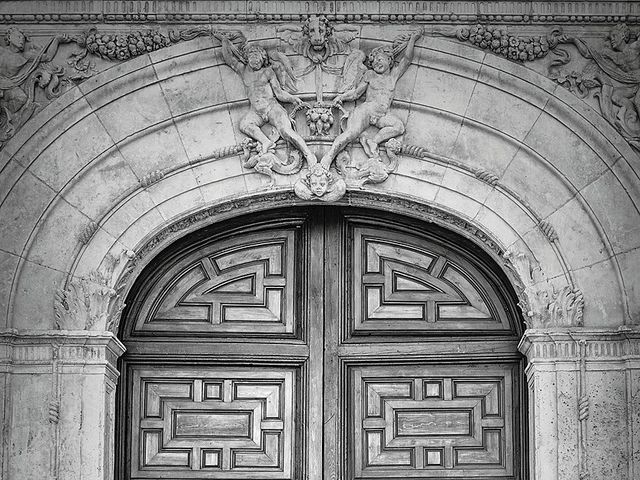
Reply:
x=213, y=423
x=404, y=285
x=244, y=285
x=432, y=421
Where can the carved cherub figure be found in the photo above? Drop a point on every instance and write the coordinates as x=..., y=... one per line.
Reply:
x=320, y=184
x=379, y=83
x=263, y=77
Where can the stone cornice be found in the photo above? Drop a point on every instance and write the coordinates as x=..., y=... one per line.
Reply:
x=201, y=11
x=69, y=347
x=563, y=344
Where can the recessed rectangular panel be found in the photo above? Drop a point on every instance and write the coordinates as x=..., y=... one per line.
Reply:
x=214, y=422
x=448, y=426
x=431, y=423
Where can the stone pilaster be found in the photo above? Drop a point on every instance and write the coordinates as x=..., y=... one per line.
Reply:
x=58, y=389
x=584, y=403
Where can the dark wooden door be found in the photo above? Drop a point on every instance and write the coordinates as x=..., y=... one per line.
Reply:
x=321, y=344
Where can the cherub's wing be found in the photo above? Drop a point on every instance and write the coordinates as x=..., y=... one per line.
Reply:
x=284, y=71
x=352, y=71
x=344, y=34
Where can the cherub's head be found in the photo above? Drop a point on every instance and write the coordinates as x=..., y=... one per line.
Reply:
x=15, y=38
x=256, y=56
x=619, y=35
x=317, y=30
x=318, y=178
x=381, y=59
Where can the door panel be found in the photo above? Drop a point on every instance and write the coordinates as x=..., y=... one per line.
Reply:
x=213, y=422
x=406, y=285
x=235, y=287
x=432, y=421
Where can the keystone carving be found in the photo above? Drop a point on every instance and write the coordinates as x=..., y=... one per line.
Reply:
x=542, y=305
x=612, y=75
x=318, y=40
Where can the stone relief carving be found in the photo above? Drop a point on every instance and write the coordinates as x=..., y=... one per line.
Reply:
x=376, y=76
x=542, y=305
x=501, y=42
x=23, y=67
x=91, y=302
x=319, y=40
x=268, y=79
x=611, y=75
x=26, y=66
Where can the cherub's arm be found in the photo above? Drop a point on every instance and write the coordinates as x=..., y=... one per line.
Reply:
x=354, y=93
x=51, y=51
x=278, y=91
x=406, y=59
x=227, y=53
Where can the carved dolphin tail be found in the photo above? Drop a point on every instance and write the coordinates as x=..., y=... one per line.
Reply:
x=293, y=164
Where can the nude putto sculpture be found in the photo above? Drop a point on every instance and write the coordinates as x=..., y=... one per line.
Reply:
x=268, y=79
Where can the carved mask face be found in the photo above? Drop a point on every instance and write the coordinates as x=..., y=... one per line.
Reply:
x=16, y=38
x=318, y=184
x=381, y=63
x=255, y=60
x=318, y=34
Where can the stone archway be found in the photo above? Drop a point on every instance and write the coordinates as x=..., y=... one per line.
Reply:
x=143, y=153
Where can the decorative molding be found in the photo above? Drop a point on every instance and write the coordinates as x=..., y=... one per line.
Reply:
x=88, y=232
x=583, y=413
x=487, y=177
x=201, y=11
x=56, y=348
x=547, y=229
x=505, y=44
x=564, y=344
x=152, y=177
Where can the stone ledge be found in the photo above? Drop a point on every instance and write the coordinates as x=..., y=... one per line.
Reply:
x=564, y=344
x=69, y=347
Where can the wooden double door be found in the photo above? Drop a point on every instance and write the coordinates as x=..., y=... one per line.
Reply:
x=321, y=344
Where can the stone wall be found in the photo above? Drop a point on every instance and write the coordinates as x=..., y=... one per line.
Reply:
x=137, y=142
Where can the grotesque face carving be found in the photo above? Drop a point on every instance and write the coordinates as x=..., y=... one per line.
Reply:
x=318, y=30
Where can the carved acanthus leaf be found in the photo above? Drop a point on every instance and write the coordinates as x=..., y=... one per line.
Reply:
x=542, y=305
x=91, y=302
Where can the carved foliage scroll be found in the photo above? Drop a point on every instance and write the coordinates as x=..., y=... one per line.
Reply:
x=425, y=421
x=400, y=284
x=235, y=287
x=213, y=423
